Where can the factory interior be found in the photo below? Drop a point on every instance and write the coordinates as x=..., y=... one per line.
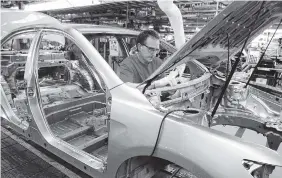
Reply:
x=141, y=89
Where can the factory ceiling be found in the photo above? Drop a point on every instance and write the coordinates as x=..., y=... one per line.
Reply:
x=135, y=14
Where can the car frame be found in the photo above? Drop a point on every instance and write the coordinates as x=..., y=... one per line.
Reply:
x=134, y=125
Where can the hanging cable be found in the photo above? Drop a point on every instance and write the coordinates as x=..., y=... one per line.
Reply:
x=261, y=57
x=234, y=66
x=228, y=56
x=161, y=125
x=156, y=142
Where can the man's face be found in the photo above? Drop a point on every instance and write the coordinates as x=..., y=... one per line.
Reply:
x=149, y=49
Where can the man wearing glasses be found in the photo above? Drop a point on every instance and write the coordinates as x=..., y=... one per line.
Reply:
x=139, y=66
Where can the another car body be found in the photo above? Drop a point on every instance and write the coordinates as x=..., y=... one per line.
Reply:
x=111, y=129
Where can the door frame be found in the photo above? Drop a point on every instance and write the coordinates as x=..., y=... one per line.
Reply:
x=40, y=131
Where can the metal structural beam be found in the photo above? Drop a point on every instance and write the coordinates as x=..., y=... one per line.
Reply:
x=196, y=13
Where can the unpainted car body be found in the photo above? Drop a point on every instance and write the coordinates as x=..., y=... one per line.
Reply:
x=119, y=125
x=256, y=107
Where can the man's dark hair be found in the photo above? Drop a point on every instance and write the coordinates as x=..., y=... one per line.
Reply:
x=142, y=37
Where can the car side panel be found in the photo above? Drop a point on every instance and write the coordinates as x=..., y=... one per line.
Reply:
x=134, y=128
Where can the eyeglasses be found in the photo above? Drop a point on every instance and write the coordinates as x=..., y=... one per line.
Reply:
x=156, y=50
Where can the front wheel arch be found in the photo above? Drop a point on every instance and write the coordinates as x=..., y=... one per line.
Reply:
x=147, y=166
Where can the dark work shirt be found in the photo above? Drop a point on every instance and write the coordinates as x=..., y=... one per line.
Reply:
x=135, y=70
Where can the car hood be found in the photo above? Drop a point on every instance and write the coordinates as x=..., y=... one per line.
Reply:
x=236, y=21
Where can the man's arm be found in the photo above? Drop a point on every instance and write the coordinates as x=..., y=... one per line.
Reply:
x=159, y=62
x=126, y=73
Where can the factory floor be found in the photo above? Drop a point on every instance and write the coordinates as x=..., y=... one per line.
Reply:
x=19, y=162
x=22, y=159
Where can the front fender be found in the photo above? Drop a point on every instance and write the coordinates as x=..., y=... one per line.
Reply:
x=133, y=132
x=210, y=153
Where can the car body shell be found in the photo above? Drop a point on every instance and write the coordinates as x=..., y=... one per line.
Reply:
x=134, y=122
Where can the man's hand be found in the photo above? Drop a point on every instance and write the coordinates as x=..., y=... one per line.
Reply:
x=157, y=84
x=166, y=81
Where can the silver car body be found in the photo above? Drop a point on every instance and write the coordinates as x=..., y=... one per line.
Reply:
x=133, y=123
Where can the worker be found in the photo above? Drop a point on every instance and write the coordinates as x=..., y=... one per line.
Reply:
x=139, y=66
